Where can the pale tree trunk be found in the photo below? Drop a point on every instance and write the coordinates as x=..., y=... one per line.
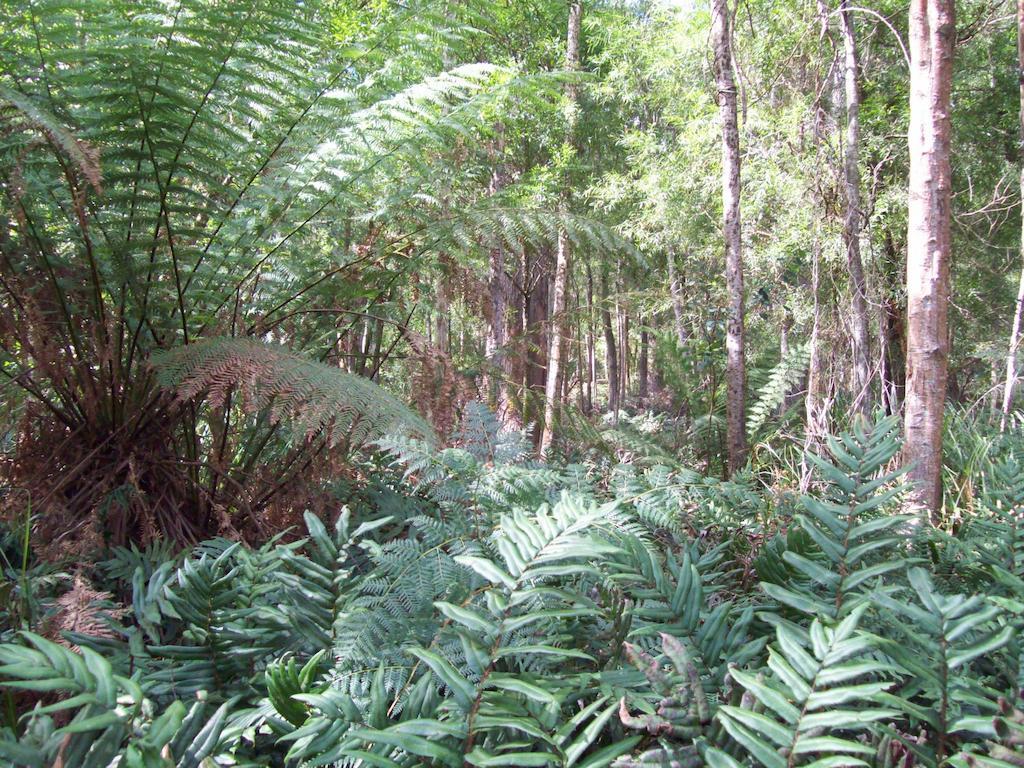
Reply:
x=591, y=352
x=611, y=355
x=932, y=33
x=538, y=271
x=852, y=224
x=582, y=377
x=814, y=402
x=378, y=341
x=736, y=379
x=676, y=290
x=499, y=384
x=622, y=317
x=892, y=331
x=641, y=365
x=564, y=258
x=1011, y=355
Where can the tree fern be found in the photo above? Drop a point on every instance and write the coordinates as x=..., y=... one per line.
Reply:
x=165, y=161
x=312, y=397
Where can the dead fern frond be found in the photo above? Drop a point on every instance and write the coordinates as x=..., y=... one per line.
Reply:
x=81, y=610
x=312, y=397
x=83, y=155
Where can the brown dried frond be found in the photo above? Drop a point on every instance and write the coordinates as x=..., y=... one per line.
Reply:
x=437, y=386
x=79, y=610
x=314, y=398
x=84, y=157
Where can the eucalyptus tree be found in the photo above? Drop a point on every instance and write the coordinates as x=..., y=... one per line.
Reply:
x=563, y=263
x=721, y=34
x=1011, y=355
x=932, y=36
x=853, y=213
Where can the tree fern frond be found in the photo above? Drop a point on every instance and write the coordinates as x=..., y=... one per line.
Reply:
x=313, y=397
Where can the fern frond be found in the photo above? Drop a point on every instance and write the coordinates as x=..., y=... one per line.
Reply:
x=849, y=525
x=820, y=693
x=312, y=397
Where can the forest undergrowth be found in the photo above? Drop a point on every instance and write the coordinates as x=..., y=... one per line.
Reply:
x=263, y=261
x=473, y=606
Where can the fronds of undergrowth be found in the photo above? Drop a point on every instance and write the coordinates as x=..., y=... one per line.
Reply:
x=510, y=612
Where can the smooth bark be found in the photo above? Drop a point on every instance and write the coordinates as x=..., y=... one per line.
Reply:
x=642, y=370
x=611, y=355
x=675, y=288
x=538, y=270
x=591, y=372
x=932, y=34
x=1011, y=354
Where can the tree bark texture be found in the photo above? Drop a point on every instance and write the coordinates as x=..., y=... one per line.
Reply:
x=860, y=341
x=736, y=379
x=1011, y=354
x=611, y=355
x=563, y=262
x=932, y=34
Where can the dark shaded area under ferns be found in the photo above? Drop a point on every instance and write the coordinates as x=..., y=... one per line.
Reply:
x=475, y=607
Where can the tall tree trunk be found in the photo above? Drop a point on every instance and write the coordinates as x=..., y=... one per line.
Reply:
x=378, y=341
x=641, y=365
x=852, y=224
x=363, y=345
x=582, y=368
x=932, y=33
x=591, y=372
x=736, y=378
x=498, y=385
x=563, y=263
x=611, y=355
x=814, y=403
x=1011, y=355
x=539, y=277
x=675, y=288
x=622, y=318
x=892, y=332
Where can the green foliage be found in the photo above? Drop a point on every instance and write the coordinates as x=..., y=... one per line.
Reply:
x=499, y=628
x=781, y=381
x=945, y=691
x=110, y=715
x=854, y=534
x=1006, y=749
x=821, y=688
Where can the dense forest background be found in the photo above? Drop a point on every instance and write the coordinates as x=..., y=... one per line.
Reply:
x=511, y=383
